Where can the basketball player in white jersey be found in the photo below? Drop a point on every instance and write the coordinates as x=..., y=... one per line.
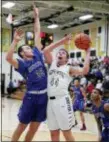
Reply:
x=59, y=111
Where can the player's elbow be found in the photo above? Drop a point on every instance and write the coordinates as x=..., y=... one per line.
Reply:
x=46, y=52
x=8, y=59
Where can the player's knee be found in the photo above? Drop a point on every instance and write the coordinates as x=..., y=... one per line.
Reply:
x=68, y=135
x=81, y=113
x=54, y=133
x=20, y=128
x=32, y=130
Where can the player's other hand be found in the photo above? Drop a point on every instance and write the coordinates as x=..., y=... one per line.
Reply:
x=68, y=39
x=36, y=11
x=18, y=35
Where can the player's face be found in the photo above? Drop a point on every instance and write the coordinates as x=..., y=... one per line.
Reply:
x=76, y=83
x=95, y=97
x=62, y=56
x=27, y=51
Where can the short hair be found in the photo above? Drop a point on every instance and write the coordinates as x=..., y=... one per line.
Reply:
x=20, y=49
x=99, y=91
x=66, y=52
x=76, y=78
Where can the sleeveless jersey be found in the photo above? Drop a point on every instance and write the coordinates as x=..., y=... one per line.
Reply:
x=58, y=80
x=34, y=72
x=77, y=93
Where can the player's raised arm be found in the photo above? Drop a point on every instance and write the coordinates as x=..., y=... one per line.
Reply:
x=49, y=49
x=37, y=28
x=9, y=57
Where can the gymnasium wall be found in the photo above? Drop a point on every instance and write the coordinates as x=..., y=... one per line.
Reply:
x=97, y=35
x=6, y=70
x=5, y=45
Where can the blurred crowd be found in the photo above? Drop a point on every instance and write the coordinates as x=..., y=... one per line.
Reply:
x=98, y=76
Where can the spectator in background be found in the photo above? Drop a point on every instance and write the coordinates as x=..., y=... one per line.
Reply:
x=83, y=81
x=99, y=75
x=89, y=89
x=10, y=88
x=99, y=84
x=15, y=84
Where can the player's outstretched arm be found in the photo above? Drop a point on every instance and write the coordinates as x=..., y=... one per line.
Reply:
x=9, y=57
x=37, y=28
x=47, y=51
x=85, y=69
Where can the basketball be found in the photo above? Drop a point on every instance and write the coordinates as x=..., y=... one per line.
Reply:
x=82, y=41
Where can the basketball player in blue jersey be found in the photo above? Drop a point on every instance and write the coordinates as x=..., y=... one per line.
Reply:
x=101, y=110
x=79, y=100
x=60, y=114
x=32, y=68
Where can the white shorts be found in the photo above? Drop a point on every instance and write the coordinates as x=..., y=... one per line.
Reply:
x=60, y=113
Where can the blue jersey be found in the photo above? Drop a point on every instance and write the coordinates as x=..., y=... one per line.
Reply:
x=101, y=113
x=34, y=71
x=77, y=93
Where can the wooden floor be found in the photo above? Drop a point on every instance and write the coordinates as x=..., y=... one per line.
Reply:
x=9, y=122
x=44, y=136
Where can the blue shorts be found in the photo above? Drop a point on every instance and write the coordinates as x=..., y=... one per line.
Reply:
x=33, y=108
x=78, y=105
x=105, y=135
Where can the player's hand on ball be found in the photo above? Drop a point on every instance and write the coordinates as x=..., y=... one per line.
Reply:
x=18, y=35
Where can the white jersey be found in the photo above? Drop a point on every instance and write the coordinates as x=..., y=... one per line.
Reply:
x=58, y=80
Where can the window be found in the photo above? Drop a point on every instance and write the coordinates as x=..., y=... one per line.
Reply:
x=86, y=32
x=99, y=30
x=93, y=53
x=78, y=54
x=72, y=55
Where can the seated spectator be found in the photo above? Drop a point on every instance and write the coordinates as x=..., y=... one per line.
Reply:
x=89, y=89
x=99, y=84
x=10, y=88
x=83, y=81
x=99, y=75
x=15, y=85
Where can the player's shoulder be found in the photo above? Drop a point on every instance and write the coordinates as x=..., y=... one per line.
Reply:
x=35, y=49
x=52, y=65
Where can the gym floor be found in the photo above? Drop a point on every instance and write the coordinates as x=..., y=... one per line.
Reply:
x=10, y=109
